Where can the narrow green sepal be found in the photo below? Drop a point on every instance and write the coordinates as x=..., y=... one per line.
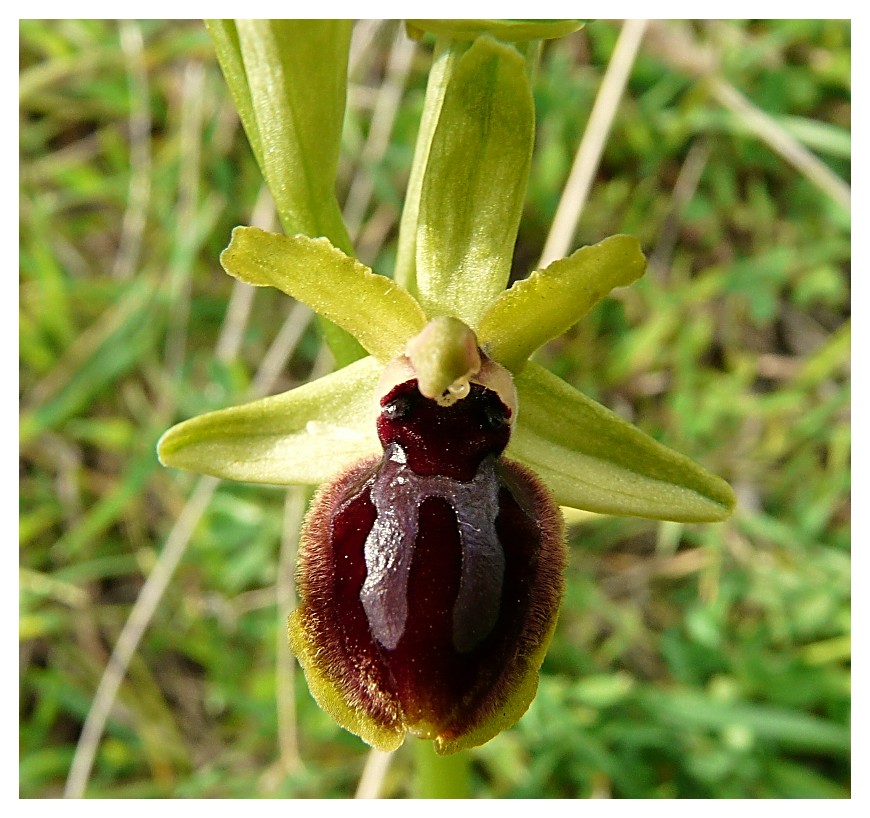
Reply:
x=515, y=31
x=475, y=183
x=379, y=313
x=303, y=436
x=541, y=307
x=444, y=61
x=592, y=459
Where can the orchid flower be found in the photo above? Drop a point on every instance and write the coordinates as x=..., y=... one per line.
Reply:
x=431, y=565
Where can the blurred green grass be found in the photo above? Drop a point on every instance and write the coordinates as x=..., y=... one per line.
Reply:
x=690, y=661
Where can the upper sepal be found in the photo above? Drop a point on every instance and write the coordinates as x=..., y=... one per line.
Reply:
x=474, y=185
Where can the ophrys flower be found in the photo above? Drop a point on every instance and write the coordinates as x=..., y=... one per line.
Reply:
x=430, y=573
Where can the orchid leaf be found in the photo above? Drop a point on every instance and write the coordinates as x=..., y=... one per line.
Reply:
x=592, y=459
x=374, y=309
x=475, y=183
x=506, y=30
x=541, y=307
x=305, y=435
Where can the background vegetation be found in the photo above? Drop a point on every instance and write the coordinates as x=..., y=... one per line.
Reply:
x=690, y=661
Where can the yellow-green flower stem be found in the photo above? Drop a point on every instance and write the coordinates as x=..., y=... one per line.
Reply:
x=440, y=776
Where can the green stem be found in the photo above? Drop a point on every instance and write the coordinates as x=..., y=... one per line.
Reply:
x=532, y=53
x=440, y=776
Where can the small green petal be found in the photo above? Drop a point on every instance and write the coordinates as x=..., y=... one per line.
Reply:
x=379, y=313
x=592, y=459
x=305, y=435
x=548, y=302
x=475, y=183
x=506, y=30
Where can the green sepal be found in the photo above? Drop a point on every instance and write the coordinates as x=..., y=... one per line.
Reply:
x=379, y=313
x=592, y=459
x=443, y=64
x=475, y=183
x=305, y=435
x=541, y=307
x=506, y=30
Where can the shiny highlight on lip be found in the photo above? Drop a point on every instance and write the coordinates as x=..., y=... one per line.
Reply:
x=430, y=578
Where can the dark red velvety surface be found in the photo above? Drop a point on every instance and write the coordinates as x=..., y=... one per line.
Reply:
x=452, y=440
x=424, y=681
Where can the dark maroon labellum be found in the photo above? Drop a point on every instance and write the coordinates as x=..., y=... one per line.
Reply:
x=430, y=580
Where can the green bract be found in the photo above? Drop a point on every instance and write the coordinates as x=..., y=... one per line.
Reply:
x=288, y=79
x=292, y=114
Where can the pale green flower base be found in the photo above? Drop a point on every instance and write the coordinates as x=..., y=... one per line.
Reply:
x=440, y=776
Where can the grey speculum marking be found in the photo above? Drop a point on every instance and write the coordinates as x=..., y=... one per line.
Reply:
x=397, y=493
